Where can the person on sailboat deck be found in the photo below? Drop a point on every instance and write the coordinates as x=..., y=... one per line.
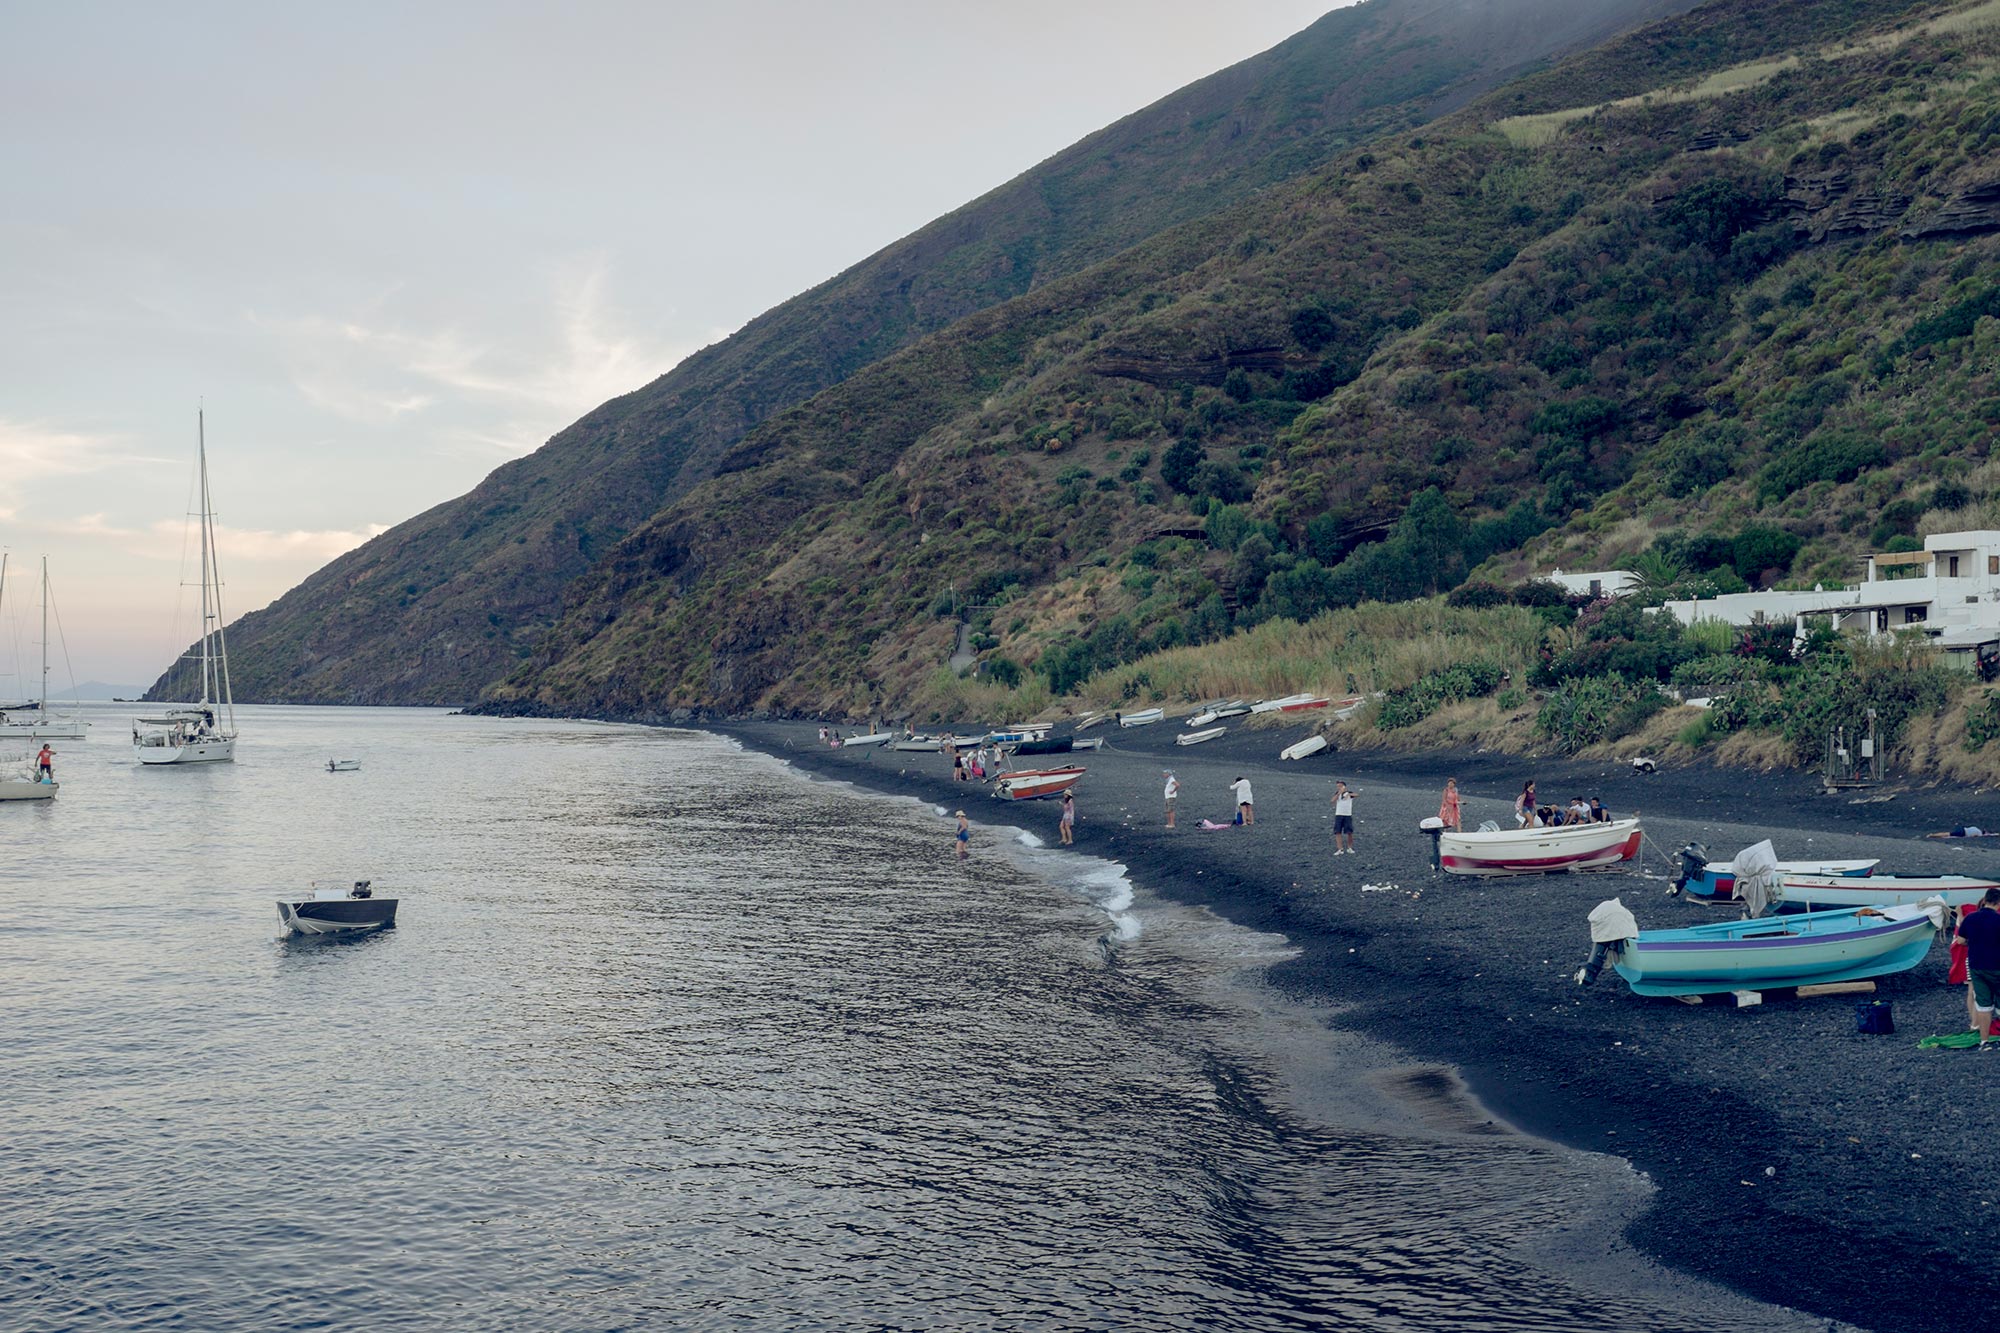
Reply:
x=45, y=763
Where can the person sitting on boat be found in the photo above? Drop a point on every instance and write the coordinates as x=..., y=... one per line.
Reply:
x=1598, y=814
x=1579, y=811
x=1526, y=813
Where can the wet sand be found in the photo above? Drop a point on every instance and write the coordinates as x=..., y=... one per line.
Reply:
x=1795, y=1161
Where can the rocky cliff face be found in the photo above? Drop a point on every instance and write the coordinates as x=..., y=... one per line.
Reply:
x=452, y=600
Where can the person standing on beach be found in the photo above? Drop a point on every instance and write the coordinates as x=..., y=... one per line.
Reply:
x=1525, y=807
x=963, y=837
x=1981, y=933
x=1343, y=819
x=1448, y=812
x=1068, y=818
x=1173, y=797
x=1246, y=814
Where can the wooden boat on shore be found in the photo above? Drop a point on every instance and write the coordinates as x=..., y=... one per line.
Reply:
x=1088, y=743
x=1214, y=712
x=1145, y=717
x=1034, y=783
x=918, y=745
x=1767, y=953
x=1306, y=705
x=1715, y=881
x=1304, y=749
x=1197, y=737
x=873, y=738
x=1539, y=851
x=1089, y=720
x=1818, y=893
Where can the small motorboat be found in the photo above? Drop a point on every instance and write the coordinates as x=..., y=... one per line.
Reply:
x=343, y=765
x=1821, y=892
x=1197, y=737
x=338, y=911
x=1088, y=743
x=1034, y=783
x=1013, y=735
x=1277, y=705
x=1539, y=851
x=872, y=738
x=1304, y=749
x=22, y=787
x=918, y=745
x=1305, y=705
x=1767, y=953
x=1715, y=881
x=1145, y=717
x=1213, y=712
x=1089, y=720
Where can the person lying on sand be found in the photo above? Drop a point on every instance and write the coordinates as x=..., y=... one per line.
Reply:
x=1966, y=831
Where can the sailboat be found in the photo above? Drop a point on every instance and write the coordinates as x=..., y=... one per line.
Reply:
x=205, y=732
x=14, y=726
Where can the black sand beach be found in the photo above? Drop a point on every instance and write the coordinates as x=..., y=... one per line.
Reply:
x=1796, y=1161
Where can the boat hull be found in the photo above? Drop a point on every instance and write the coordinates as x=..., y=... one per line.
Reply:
x=337, y=916
x=20, y=789
x=1145, y=717
x=55, y=729
x=1306, y=748
x=1540, y=851
x=1821, y=893
x=213, y=751
x=1768, y=953
x=1716, y=882
x=1197, y=737
x=1062, y=745
x=1032, y=785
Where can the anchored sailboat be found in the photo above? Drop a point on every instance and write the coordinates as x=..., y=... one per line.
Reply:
x=202, y=733
x=43, y=726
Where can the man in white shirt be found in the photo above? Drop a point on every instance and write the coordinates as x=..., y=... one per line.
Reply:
x=1245, y=813
x=1173, y=796
x=1343, y=818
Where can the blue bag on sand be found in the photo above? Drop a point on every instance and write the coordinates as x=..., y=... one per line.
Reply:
x=1876, y=1016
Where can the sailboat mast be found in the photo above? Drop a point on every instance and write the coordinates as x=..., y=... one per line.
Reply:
x=45, y=639
x=220, y=671
x=201, y=482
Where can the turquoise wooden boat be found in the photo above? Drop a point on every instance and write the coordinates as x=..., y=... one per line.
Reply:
x=1772, y=952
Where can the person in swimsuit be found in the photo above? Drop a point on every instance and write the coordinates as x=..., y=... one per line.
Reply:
x=963, y=836
x=1068, y=818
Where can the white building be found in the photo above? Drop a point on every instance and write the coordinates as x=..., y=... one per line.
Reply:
x=1950, y=590
x=1601, y=583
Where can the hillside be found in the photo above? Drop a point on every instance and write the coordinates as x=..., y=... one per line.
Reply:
x=1727, y=271
x=451, y=600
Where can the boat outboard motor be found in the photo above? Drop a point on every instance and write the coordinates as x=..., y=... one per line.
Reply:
x=1434, y=829
x=361, y=889
x=1694, y=860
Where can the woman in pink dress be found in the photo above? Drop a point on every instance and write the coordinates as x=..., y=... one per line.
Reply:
x=1448, y=808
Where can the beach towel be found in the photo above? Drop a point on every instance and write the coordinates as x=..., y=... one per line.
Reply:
x=1950, y=1041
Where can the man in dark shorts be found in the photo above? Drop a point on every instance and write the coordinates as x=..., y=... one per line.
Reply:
x=1981, y=933
x=1343, y=820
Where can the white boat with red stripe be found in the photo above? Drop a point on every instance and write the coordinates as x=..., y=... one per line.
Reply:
x=1030, y=784
x=1540, y=851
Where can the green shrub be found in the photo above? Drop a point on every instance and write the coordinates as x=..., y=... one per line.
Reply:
x=1583, y=712
x=1413, y=703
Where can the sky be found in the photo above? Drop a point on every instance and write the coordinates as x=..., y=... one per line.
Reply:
x=385, y=248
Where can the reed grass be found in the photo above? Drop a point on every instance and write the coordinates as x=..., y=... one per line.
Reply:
x=1376, y=646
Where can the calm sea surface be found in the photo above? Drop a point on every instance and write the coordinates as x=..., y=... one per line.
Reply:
x=668, y=1037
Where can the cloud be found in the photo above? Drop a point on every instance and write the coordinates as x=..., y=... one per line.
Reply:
x=30, y=450
x=169, y=539
x=474, y=394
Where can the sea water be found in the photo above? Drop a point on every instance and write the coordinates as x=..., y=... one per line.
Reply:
x=670, y=1036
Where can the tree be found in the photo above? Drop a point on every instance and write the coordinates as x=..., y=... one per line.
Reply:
x=1178, y=465
x=1433, y=540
